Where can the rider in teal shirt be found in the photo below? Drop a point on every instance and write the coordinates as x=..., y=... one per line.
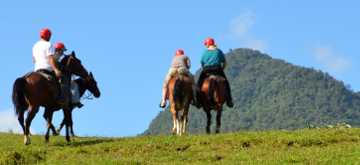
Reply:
x=213, y=63
x=213, y=57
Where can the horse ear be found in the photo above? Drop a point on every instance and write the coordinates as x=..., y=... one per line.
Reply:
x=73, y=53
x=91, y=75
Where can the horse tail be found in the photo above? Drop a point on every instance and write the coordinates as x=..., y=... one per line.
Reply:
x=178, y=91
x=18, y=95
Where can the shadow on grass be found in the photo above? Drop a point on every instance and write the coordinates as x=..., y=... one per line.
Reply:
x=83, y=142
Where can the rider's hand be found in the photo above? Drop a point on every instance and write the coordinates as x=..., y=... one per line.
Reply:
x=58, y=73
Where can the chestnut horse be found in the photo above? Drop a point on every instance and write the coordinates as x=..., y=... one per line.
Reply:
x=35, y=90
x=212, y=95
x=180, y=96
x=84, y=85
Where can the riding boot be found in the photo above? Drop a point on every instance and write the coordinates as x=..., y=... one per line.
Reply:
x=60, y=99
x=75, y=95
x=229, y=101
x=163, y=99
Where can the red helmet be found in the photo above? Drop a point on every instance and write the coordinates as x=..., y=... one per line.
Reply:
x=209, y=42
x=45, y=34
x=59, y=46
x=179, y=52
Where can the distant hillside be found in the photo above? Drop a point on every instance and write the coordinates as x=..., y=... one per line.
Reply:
x=273, y=94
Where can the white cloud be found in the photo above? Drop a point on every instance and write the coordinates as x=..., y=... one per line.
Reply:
x=240, y=29
x=241, y=25
x=331, y=60
x=8, y=121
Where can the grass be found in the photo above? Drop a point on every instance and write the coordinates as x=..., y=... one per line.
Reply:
x=308, y=146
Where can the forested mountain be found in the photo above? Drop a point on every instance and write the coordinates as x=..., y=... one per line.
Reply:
x=274, y=94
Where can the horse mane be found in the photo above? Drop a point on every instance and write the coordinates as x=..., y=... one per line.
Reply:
x=64, y=60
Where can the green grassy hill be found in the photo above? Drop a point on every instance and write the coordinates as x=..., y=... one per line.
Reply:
x=315, y=146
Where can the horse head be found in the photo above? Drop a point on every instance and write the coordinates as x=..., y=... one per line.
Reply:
x=92, y=86
x=73, y=66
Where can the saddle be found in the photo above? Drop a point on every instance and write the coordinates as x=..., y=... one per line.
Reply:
x=213, y=72
x=47, y=74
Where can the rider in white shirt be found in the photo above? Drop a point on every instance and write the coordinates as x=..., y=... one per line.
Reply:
x=45, y=59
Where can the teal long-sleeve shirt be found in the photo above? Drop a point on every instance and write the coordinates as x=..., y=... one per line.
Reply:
x=212, y=58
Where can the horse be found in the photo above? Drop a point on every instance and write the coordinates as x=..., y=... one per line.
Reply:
x=34, y=90
x=180, y=96
x=212, y=97
x=83, y=85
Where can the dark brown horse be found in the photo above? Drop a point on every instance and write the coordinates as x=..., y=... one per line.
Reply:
x=84, y=85
x=35, y=90
x=212, y=95
x=180, y=96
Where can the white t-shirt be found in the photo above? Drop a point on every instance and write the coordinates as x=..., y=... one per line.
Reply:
x=41, y=52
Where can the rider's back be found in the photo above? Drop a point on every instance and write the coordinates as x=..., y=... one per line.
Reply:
x=213, y=57
x=180, y=62
x=41, y=52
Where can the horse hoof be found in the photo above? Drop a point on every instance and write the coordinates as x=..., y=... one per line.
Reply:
x=68, y=140
x=56, y=133
x=27, y=141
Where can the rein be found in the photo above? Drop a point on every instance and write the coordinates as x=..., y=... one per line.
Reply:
x=87, y=96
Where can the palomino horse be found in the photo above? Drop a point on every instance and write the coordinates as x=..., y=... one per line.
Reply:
x=84, y=85
x=35, y=90
x=180, y=96
x=213, y=97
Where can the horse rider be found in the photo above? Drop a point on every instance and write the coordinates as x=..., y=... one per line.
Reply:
x=180, y=65
x=60, y=49
x=213, y=62
x=46, y=61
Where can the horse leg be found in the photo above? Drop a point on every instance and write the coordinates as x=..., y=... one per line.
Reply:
x=174, y=117
x=208, y=124
x=67, y=123
x=71, y=125
x=218, y=119
x=31, y=114
x=61, y=126
x=180, y=123
x=48, y=115
x=52, y=127
x=21, y=120
x=185, y=120
x=177, y=123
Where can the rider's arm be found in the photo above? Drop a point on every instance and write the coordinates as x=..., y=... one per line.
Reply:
x=54, y=66
x=222, y=58
x=188, y=63
x=50, y=53
x=203, y=60
x=33, y=59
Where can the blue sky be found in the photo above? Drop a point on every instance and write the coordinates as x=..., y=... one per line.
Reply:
x=129, y=45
